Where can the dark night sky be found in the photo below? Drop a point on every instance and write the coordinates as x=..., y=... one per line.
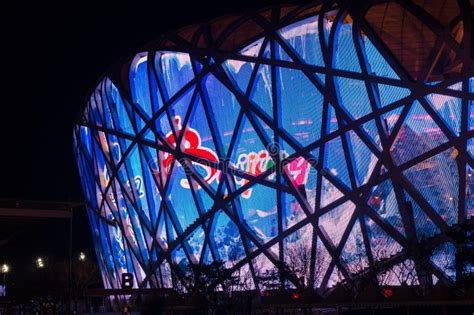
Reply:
x=52, y=56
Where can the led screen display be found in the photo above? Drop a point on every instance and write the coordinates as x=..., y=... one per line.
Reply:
x=308, y=150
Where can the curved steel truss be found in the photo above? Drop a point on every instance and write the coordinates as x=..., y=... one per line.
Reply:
x=331, y=141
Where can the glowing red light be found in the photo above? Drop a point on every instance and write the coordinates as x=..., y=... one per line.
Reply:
x=387, y=292
x=295, y=295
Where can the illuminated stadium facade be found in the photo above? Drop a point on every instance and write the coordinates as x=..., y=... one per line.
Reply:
x=331, y=142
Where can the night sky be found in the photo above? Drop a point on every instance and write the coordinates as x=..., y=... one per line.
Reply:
x=53, y=55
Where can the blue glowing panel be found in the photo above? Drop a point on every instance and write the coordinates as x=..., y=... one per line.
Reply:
x=310, y=142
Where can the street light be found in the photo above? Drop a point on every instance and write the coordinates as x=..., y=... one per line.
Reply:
x=82, y=256
x=39, y=263
x=5, y=268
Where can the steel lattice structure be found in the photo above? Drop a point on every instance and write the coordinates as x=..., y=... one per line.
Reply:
x=340, y=131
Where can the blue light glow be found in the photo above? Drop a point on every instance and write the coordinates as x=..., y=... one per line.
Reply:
x=232, y=160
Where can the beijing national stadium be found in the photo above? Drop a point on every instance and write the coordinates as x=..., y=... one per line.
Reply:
x=334, y=133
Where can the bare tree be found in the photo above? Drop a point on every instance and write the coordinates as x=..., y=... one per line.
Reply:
x=267, y=275
x=245, y=280
x=322, y=263
x=299, y=261
x=269, y=279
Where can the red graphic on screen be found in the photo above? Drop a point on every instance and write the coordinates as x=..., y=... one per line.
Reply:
x=299, y=170
x=190, y=144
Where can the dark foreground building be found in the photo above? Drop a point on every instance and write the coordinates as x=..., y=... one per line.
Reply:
x=327, y=143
